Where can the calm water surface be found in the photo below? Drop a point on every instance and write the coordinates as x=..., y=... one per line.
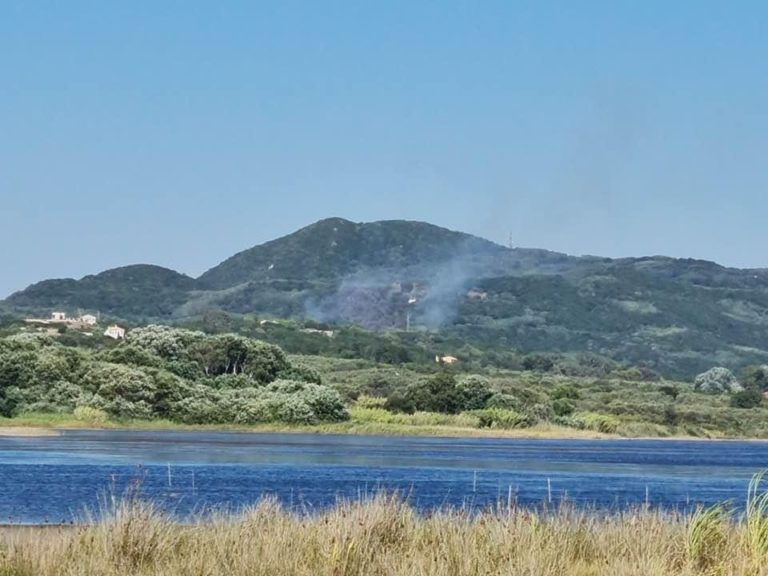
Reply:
x=54, y=479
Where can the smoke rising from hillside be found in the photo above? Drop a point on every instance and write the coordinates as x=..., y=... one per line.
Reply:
x=430, y=293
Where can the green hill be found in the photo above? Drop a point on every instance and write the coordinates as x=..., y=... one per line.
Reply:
x=679, y=316
x=134, y=292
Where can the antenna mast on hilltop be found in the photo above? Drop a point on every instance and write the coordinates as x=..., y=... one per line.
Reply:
x=510, y=243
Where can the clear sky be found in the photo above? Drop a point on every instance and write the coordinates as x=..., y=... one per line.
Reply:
x=178, y=133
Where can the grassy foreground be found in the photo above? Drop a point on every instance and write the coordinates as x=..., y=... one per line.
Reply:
x=384, y=536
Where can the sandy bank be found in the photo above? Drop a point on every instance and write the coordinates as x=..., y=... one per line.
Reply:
x=27, y=431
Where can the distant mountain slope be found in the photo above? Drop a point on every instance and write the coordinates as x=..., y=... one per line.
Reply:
x=678, y=327
x=678, y=315
x=334, y=248
x=138, y=291
x=366, y=273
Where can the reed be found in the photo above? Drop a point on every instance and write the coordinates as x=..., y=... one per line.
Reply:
x=384, y=536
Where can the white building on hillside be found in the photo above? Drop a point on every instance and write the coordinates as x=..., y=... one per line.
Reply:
x=58, y=316
x=115, y=332
x=89, y=319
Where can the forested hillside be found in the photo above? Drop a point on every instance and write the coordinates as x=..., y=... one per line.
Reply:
x=675, y=316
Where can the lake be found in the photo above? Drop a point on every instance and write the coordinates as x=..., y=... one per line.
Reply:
x=54, y=479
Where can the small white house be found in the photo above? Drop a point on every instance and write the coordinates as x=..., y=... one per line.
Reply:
x=58, y=316
x=115, y=332
x=88, y=319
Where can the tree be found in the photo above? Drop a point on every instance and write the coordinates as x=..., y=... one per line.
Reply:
x=717, y=380
x=120, y=390
x=473, y=393
x=166, y=342
x=563, y=407
x=749, y=398
x=756, y=377
x=669, y=390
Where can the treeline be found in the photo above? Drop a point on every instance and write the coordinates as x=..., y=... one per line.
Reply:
x=161, y=372
x=417, y=348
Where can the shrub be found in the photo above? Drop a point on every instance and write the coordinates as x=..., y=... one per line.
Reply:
x=130, y=354
x=401, y=402
x=120, y=390
x=231, y=382
x=200, y=407
x=569, y=422
x=563, y=407
x=669, y=390
x=599, y=422
x=538, y=362
x=500, y=418
x=370, y=402
x=756, y=377
x=90, y=415
x=383, y=382
x=436, y=394
x=163, y=341
x=568, y=391
x=746, y=399
x=302, y=374
x=473, y=393
x=292, y=410
x=505, y=401
x=539, y=411
x=324, y=403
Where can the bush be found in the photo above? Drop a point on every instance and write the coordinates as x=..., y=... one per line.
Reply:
x=370, y=402
x=746, y=399
x=568, y=391
x=383, y=382
x=473, y=393
x=756, y=377
x=324, y=403
x=436, y=394
x=130, y=354
x=442, y=393
x=569, y=422
x=401, y=402
x=504, y=401
x=563, y=407
x=599, y=422
x=669, y=390
x=120, y=390
x=302, y=374
x=201, y=407
x=536, y=362
x=500, y=418
x=163, y=341
x=90, y=415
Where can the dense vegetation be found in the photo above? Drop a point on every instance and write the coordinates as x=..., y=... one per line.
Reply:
x=675, y=317
x=161, y=372
x=192, y=377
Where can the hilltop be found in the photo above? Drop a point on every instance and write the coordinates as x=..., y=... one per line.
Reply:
x=679, y=316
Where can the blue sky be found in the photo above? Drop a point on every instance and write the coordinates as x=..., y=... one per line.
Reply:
x=178, y=133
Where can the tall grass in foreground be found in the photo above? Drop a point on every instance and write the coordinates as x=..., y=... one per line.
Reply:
x=384, y=536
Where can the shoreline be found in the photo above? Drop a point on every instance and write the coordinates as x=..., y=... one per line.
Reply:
x=34, y=426
x=27, y=431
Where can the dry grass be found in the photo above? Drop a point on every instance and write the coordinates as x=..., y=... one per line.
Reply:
x=384, y=536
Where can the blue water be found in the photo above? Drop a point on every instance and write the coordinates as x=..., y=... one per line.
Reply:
x=54, y=479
